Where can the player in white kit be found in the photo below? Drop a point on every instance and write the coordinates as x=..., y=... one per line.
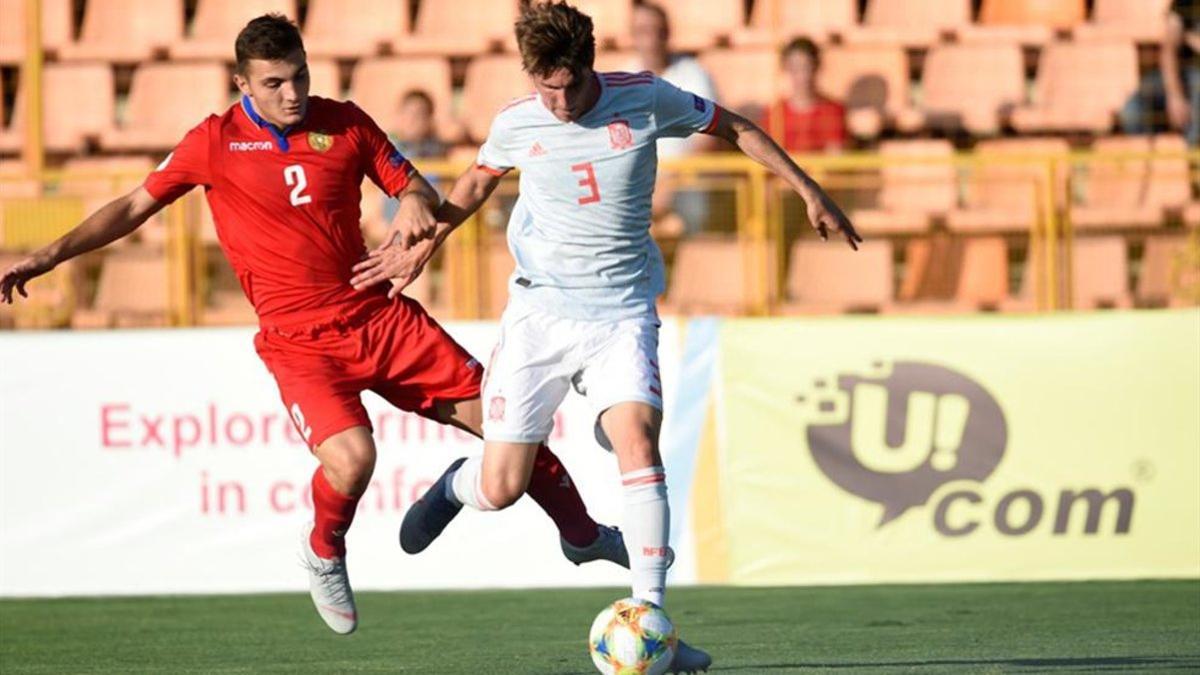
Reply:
x=581, y=311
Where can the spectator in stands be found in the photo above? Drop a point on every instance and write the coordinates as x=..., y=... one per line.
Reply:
x=805, y=121
x=1175, y=88
x=651, y=34
x=414, y=136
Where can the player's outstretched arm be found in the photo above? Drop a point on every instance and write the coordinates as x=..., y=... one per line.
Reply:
x=405, y=262
x=113, y=221
x=823, y=213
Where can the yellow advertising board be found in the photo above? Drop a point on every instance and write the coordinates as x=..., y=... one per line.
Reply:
x=954, y=449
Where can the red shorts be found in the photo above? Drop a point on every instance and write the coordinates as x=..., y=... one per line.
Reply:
x=394, y=349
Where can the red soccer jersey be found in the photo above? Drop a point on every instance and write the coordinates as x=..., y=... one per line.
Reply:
x=286, y=204
x=820, y=127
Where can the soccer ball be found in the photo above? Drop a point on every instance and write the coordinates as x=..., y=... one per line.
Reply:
x=632, y=636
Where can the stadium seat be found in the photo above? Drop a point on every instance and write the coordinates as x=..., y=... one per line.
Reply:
x=346, y=29
x=970, y=87
x=911, y=193
x=871, y=81
x=324, y=78
x=10, y=139
x=56, y=28
x=78, y=104
x=826, y=277
x=378, y=84
x=51, y=298
x=133, y=291
x=490, y=83
x=218, y=22
x=1005, y=196
x=708, y=277
x=1138, y=20
x=99, y=180
x=614, y=61
x=1100, y=273
x=610, y=21
x=1080, y=87
x=126, y=31
x=461, y=28
x=954, y=274
x=228, y=308
x=1132, y=192
x=910, y=23
x=165, y=101
x=746, y=95
x=1026, y=22
x=698, y=25
x=1170, y=271
x=775, y=22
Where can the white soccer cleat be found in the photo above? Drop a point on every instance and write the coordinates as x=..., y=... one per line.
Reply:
x=688, y=659
x=329, y=585
x=609, y=545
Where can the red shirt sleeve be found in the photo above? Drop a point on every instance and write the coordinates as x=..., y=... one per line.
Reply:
x=186, y=167
x=381, y=160
x=833, y=130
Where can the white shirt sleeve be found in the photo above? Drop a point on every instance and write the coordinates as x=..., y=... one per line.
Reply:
x=680, y=113
x=493, y=154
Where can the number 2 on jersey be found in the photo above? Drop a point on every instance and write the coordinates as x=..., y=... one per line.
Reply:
x=589, y=182
x=295, y=178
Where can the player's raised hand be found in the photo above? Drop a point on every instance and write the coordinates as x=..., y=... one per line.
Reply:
x=20, y=273
x=825, y=216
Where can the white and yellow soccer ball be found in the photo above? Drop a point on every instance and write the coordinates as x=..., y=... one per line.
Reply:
x=632, y=637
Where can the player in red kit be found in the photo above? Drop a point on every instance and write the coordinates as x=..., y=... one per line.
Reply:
x=282, y=174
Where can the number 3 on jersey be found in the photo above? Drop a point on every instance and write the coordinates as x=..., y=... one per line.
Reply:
x=588, y=181
x=295, y=179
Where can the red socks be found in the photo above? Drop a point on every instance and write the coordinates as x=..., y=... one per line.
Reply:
x=334, y=512
x=553, y=490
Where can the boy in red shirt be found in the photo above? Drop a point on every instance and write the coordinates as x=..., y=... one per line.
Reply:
x=805, y=121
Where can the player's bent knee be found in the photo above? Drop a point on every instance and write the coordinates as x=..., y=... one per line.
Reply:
x=349, y=461
x=503, y=491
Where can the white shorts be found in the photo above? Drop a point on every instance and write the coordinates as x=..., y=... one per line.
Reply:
x=540, y=356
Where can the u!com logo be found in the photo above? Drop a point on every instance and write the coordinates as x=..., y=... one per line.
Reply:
x=896, y=433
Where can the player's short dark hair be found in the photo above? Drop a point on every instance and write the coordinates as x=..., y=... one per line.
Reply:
x=270, y=37
x=554, y=35
x=804, y=46
x=417, y=95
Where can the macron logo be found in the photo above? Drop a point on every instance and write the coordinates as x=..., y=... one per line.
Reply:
x=250, y=146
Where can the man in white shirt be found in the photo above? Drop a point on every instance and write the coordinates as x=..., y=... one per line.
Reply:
x=581, y=310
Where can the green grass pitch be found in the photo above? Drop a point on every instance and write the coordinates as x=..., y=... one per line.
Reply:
x=1148, y=626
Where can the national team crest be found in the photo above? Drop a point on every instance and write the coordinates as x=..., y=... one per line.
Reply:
x=496, y=409
x=320, y=141
x=619, y=135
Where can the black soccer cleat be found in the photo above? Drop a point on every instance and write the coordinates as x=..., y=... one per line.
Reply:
x=430, y=514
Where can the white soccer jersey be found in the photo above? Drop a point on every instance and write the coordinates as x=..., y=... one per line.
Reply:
x=580, y=230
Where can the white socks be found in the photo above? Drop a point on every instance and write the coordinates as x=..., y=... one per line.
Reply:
x=466, y=486
x=646, y=525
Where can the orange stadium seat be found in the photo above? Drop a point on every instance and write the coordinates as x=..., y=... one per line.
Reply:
x=1100, y=273
x=1132, y=192
x=911, y=193
x=950, y=274
x=126, y=31
x=775, y=22
x=708, y=277
x=378, y=84
x=346, y=29
x=610, y=20
x=51, y=297
x=10, y=139
x=614, y=61
x=830, y=277
x=1170, y=271
x=491, y=82
x=461, y=28
x=747, y=95
x=911, y=23
x=78, y=102
x=971, y=87
x=99, y=180
x=697, y=25
x=1079, y=87
x=165, y=101
x=56, y=28
x=324, y=78
x=1140, y=20
x=133, y=291
x=217, y=23
x=871, y=81
x=1006, y=197
x=1028, y=22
